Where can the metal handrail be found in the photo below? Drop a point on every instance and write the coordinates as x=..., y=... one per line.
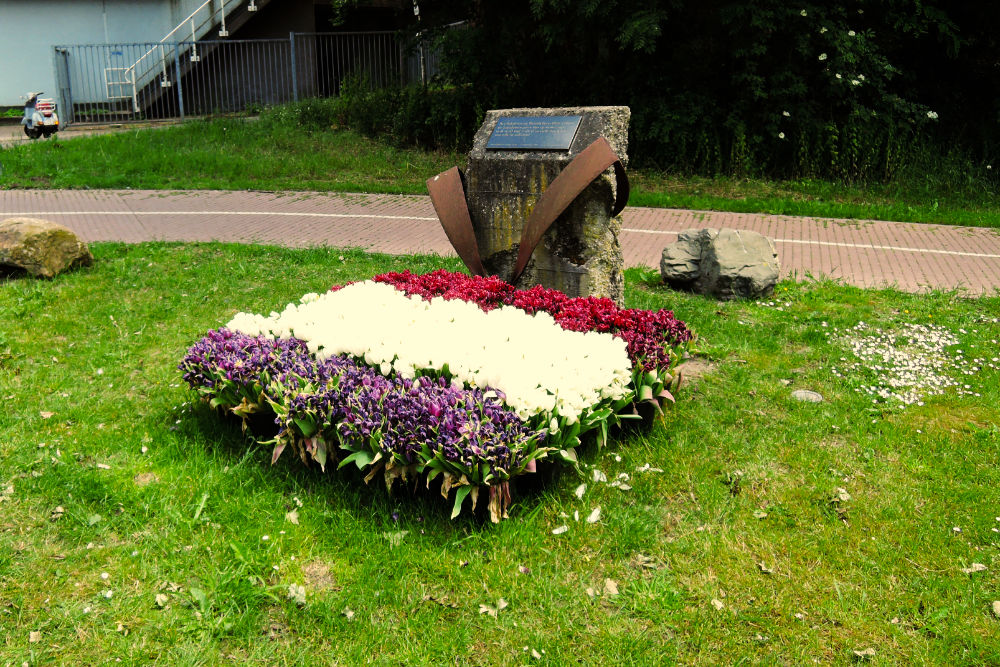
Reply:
x=131, y=71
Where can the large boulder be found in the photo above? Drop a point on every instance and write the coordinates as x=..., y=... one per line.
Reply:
x=40, y=247
x=724, y=263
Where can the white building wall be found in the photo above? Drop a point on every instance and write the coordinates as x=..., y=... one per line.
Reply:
x=29, y=29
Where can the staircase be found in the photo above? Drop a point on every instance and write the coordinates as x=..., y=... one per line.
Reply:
x=151, y=72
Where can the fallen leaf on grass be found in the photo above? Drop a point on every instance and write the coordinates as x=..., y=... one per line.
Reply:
x=560, y=530
x=591, y=593
x=46, y=415
x=643, y=561
x=396, y=538
x=535, y=654
x=764, y=568
x=493, y=611
x=161, y=600
x=760, y=514
x=292, y=517
x=595, y=516
x=864, y=655
x=297, y=594
x=580, y=490
x=57, y=513
x=94, y=519
x=610, y=587
x=599, y=476
x=996, y=608
x=34, y=637
x=719, y=606
x=523, y=570
x=443, y=601
x=348, y=613
x=972, y=569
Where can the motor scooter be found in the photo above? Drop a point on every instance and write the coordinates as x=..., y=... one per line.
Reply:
x=40, y=118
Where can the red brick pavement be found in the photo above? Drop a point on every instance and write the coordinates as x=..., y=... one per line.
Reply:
x=866, y=253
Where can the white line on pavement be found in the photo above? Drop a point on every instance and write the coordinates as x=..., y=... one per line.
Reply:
x=862, y=246
x=373, y=216
x=290, y=214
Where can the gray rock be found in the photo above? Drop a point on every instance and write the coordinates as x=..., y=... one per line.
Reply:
x=726, y=263
x=40, y=247
x=581, y=253
x=807, y=396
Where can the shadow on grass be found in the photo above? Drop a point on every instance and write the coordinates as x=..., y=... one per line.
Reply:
x=413, y=501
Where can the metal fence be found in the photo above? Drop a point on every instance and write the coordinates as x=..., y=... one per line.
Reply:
x=124, y=82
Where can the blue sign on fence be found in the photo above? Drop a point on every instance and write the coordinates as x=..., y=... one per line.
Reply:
x=545, y=133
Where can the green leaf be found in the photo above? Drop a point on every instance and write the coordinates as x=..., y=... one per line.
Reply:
x=360, y=458
x=320, y=454
x=569, y=455
x=460, y=495
x=307, y=428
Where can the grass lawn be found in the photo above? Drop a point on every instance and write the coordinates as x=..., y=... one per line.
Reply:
x=237, y=153
x=136, y=525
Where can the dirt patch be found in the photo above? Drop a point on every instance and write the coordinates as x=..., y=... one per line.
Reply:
x=694, y=369
x=145, y=479
x=318, y=577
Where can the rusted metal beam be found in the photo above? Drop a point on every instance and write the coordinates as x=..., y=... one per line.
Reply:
x=448, y=196
x=571, y=181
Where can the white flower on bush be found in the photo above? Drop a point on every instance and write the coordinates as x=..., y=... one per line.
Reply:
x=539, y=366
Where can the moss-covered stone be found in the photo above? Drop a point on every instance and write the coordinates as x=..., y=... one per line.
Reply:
x=40, y=247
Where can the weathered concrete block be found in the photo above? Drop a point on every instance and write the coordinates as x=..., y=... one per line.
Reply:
x=581, y=252
x=726, y=263
x=40, y=247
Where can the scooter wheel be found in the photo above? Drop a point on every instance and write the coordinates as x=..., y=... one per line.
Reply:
x=32, y=133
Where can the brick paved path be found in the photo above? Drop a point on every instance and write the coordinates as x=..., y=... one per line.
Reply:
x=908, y=256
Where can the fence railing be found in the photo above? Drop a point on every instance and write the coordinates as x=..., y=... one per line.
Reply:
x=100, y=82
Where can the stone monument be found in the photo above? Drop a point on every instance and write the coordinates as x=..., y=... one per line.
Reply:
x=529, y=228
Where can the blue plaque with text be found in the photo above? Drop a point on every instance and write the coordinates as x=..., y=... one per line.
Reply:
x=541, y=133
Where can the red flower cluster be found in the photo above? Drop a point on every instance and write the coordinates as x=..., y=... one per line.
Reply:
x=648, y=333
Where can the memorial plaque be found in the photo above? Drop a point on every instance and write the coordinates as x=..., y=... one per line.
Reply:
x=542, y=133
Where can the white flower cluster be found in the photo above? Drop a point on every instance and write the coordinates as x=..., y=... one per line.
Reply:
x=539, y=366
x=910, y=364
